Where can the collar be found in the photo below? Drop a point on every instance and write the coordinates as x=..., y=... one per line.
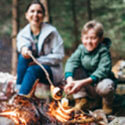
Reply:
x=94, y=51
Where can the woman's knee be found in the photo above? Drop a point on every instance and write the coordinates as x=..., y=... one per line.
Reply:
x=22, y=60
x=32, y=70
x=105, y=87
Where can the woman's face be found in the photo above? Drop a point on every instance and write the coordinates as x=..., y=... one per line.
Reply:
x=90, y=40
x=34, y=15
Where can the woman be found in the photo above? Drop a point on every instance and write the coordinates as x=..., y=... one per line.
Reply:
x=45, y=43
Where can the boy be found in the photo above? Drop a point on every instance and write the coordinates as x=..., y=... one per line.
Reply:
x=94, y=58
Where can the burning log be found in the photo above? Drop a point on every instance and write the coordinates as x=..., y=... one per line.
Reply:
x=25, y=111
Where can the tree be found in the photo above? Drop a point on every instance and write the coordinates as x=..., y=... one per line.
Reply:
x=14, y=33
x=45, y=3
x=89, y=9
x=75, y=24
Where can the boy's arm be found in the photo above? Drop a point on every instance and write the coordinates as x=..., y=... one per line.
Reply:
x=73, y=62
x=74, y=86
x=104, y=67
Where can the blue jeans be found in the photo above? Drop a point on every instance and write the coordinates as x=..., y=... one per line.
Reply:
x=27, y=75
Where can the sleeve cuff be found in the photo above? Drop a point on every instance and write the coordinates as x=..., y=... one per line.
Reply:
x=94, y=79
x=67, y=74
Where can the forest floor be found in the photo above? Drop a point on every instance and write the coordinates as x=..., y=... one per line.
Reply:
x=5, y=54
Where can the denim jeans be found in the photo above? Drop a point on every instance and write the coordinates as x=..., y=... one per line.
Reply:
x=27, y=75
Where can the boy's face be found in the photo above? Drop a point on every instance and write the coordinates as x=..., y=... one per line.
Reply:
x=90, y=40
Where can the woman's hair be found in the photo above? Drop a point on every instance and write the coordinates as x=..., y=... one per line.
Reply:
x=97, y=26
x=36, y=2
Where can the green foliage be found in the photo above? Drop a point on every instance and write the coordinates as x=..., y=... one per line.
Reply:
x=110, y=12
x=5, y=17
x=112, y=15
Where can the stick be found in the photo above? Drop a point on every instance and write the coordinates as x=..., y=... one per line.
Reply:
x=46, y=73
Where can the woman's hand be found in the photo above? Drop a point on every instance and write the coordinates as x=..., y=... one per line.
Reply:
x=25, y=52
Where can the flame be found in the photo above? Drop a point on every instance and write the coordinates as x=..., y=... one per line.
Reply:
x=57, y=111
x=15, y=116
x=68, y=114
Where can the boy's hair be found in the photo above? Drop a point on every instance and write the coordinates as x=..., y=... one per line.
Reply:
x=93, y=24
x=36, y=2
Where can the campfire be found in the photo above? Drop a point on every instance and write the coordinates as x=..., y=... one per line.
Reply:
x=69, y=115
x=29, y=110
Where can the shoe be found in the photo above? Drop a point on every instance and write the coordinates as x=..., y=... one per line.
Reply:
x=107, y=108
x=17, y=87
x=80, y=103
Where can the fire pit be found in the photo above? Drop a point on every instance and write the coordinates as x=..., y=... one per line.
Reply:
x=29, y=110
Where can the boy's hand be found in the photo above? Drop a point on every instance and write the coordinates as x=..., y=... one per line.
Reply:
x=69, y=85
x=76, y=86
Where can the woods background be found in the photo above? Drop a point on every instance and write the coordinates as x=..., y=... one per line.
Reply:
x=68, y=16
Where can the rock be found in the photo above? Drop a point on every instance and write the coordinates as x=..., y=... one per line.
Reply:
x=42, y=91
x=99, y=113
x=5, y=77
x=119, y=70
x=120, y=89
x=118, y=121
x=6, y=121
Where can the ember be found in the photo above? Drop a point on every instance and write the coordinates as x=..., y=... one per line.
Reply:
x=23, y=111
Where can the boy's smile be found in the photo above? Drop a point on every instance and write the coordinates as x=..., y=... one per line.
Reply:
x=90, y=40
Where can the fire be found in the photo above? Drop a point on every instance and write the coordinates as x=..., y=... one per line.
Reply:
x=57, y=111
x=27, y=110
x=15, y=116
x=69, y=114
x=22, y=111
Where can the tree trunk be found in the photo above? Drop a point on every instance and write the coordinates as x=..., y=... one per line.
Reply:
x=89, y=9
x=14, y=33
x=75, y=26
x=45, y=3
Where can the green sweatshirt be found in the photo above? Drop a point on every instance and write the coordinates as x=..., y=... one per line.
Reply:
x=96, y=63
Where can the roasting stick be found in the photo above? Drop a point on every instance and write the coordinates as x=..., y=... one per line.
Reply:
x=45, y=71
x=55, y=91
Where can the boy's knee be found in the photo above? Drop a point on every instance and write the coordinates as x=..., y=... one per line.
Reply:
x=105, y=87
